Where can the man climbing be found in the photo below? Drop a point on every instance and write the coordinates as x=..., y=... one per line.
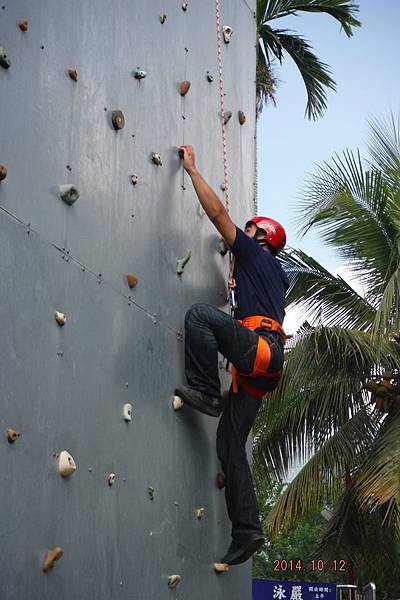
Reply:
x=252, y=342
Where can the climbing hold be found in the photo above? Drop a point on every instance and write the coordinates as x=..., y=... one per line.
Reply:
x=11, y=435
x=184, y=87
x=210, y=77
x=118, y=119
x=111, y=479
x=127, y=410
x=66, y=464
x=163, y=18
x=3, y=172
x=60, y=318
x=185, y=6
x=23, y=25
x=52, y=555
x=200, y=512
x=134, y=179
x=222, y=247
x=140, y=74
x=69, y=193
x=200, y=210
x=242, y=117
x=177, y=402
x=151, y=492
x=221, y=567
x=182, y=262
x=73, y=73
x=220, y=480
x=228, y=32
x=4, y=60
x=227, y=116
x=173, y=581
x=131, y=279
x=156, y=158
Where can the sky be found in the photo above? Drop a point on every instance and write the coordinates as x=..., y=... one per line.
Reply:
x=367, y=73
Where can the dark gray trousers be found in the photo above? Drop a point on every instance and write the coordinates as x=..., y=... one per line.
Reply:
x=208, y=331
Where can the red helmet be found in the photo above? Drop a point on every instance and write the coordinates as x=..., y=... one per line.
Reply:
x=276, y=235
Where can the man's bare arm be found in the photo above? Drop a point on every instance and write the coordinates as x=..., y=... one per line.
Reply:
x=212, y=205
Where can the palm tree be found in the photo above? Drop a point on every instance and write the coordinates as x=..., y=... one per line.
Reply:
x=338, y=407
x=274, y=43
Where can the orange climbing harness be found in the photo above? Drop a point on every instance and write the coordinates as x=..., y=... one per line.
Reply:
x=263, y=356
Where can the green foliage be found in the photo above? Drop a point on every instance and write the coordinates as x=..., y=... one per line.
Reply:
x=324, y=408
x=275, y=43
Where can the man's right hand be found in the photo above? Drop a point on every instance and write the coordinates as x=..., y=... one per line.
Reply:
x=186, y=152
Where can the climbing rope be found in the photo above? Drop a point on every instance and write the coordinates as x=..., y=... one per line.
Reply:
x=231, y=280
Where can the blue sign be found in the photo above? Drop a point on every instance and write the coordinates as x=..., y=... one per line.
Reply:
x=265, y=589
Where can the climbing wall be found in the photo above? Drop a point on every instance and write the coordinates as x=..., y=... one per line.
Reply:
x=83, y=203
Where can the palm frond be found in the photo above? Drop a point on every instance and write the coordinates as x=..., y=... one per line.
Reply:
x=384, y=147
x=349, y=207
x=378, y=483
x=266, y=82
x=315, y=73
x=320, y=293
x=360, y=537
x=320, y=478
x=343, y=11
x=387, y=319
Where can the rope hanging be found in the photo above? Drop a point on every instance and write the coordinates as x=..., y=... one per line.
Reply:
x=231, y=281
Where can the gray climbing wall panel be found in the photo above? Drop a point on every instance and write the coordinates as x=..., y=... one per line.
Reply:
x=64, y=387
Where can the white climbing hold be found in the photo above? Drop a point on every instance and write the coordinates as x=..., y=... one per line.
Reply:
x=210, y=77
x=200, y=512
x=140, y=74
x=111, y=479
x=134, y=179
x=66, y=464
x=163, y=18
x=4, y=60
x=185, y=6
x=127, y=411
x=200, y=211
x=173, y=581
x=182, y=262
x=12, y=435
x=221, y=567
x=177, y=402
x=51, y=556
x=69, y=193
x=228, y=32
x=227, y=116
x=156, y=159
x=60, y=318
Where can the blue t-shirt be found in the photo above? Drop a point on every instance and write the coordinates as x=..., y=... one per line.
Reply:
x=261, y=282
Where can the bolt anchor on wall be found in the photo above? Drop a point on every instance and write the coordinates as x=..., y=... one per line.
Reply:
x=182, y=262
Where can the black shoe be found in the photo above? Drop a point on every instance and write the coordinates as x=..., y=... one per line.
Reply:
x=208, y=405
x=243, y=547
